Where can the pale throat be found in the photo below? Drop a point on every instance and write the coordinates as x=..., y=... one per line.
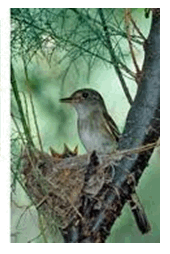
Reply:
x=84, y=112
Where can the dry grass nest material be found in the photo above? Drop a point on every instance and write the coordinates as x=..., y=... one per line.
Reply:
x=57, y=185
x=54, y=185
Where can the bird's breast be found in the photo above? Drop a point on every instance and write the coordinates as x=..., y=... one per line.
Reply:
x=95, y=138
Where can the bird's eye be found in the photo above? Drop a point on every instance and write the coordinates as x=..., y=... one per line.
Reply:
x=85, y=95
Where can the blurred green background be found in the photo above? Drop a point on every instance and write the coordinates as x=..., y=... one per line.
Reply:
x=51, y=80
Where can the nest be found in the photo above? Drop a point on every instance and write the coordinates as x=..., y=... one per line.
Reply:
x=57, y=184
x=62, y=185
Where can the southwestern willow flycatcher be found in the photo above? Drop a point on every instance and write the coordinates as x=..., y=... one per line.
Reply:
x=98, y=132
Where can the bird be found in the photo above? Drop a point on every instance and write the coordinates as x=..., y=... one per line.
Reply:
x=96, y=129
x=99, y=132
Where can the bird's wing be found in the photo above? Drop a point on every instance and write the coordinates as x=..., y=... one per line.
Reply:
x=111, y=126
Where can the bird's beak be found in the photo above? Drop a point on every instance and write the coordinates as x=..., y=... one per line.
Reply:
x=72, y=100
x=67, y=100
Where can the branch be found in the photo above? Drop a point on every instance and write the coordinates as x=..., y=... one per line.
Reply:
x=129, y=38
x=113, y=57
x=137, y=29
x=20, y=108
x=79, y=46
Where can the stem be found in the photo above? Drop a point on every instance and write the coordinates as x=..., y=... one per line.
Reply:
x=127, y=21
x=18, y=100
x=113, y=57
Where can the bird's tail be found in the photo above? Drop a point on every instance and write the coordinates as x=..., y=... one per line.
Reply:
x=139, y=214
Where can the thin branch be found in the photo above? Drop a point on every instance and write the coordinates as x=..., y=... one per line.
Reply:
x=127, y=22
x=18, y=129
x=113, y=57
x=87, y=18
x=26, y=109
x=93, y=28
x=113, y=29
x=58, y=38
x=36, y=122
x=32, y=104
x=20, y=108
x=137, y=28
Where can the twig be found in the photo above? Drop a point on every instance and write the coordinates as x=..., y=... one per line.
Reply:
x=32, y=104
x=137, y=29
x=42, y=201
x=26, y=109
x=127, y=20
x=18, y=129
x=36, y=123
x=139, y=149
x=113, y=57
x=18, y=100
x=58, y=38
